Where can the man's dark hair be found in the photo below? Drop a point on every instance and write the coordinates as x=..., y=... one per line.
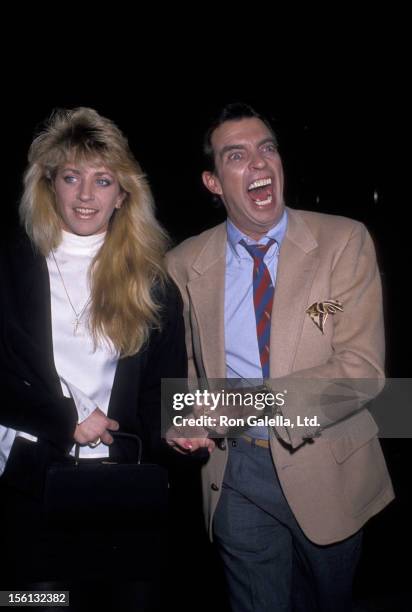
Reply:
x=231, y=112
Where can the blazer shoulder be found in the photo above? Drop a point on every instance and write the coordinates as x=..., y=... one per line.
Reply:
x=18, y=255
x=195, y=244
x=326, y=228
x=188, y=251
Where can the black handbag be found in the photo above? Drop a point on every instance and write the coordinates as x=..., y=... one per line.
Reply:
x=86, y=494
x=107, y=520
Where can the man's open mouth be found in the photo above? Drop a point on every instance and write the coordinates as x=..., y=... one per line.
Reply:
x=260, y=191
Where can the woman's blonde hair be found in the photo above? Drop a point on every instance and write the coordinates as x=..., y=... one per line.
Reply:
x=128, y=270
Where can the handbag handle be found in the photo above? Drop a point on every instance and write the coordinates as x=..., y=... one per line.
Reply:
x=115, y=434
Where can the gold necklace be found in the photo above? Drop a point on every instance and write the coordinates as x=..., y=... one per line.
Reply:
x=77, y=315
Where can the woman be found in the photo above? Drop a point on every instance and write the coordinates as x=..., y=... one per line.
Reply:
x=90, y=322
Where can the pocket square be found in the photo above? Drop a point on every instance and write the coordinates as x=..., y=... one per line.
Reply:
x=319, y=311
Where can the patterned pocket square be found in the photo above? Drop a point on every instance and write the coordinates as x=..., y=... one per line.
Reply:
x=319, y=311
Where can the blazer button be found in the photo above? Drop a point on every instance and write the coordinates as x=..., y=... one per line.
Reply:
x=214, y=487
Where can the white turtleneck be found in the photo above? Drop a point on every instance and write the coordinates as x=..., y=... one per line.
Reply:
x=86, y=372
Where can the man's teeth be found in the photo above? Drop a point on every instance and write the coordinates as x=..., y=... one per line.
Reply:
x=263, y=202
x=260, y=183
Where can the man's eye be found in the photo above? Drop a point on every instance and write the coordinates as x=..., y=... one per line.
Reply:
x=235, y=156
x=270, y=148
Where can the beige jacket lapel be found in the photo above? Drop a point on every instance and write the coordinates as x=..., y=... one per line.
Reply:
x=298, y=261
x=207, y=293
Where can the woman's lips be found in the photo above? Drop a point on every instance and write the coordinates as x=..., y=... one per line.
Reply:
x=84, y=212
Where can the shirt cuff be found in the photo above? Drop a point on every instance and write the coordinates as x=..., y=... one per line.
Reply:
x=84, y=405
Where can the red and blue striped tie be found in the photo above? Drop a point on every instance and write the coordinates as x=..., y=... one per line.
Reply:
x=263, y=291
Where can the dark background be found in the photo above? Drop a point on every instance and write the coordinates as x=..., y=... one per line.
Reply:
x=342, y=133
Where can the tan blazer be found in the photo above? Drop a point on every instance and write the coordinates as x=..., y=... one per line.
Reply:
x=333, y=483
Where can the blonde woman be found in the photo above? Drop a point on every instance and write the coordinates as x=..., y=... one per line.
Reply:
x=90, y=322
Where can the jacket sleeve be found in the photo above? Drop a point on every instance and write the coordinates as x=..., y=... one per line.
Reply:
x=166, y=358
x=27, y=408
x=25, y=404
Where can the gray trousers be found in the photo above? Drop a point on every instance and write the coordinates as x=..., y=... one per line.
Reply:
x=270, y=564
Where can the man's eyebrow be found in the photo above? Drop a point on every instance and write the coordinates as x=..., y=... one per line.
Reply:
x=231, y=148
x=235, y=147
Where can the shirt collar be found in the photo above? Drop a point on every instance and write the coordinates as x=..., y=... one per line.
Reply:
x=234, y=236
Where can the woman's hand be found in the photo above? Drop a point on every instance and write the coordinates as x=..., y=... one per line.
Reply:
x=96, y=426
x=175, y=438
x=190, y=445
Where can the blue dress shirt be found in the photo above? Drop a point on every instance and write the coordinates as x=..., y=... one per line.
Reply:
x=241, y=345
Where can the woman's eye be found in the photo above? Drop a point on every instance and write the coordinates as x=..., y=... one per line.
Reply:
x=104, y=182
x=69, y=178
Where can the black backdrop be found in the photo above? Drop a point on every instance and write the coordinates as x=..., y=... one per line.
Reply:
x=341, y=146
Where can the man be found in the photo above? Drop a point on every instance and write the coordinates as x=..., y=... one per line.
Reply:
x=284, y=295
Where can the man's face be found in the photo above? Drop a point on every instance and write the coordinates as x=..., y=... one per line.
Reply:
x=248, y=175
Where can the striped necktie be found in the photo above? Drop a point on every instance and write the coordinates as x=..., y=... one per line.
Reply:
x=263, y=291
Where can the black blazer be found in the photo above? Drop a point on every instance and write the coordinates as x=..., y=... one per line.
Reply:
x=31, y=398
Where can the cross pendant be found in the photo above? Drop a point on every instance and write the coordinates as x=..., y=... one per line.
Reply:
x=76, y=326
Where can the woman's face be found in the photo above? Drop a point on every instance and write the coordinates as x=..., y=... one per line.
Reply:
x=86, y=196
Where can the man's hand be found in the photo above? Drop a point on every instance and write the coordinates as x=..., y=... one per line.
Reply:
x=96, y=426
